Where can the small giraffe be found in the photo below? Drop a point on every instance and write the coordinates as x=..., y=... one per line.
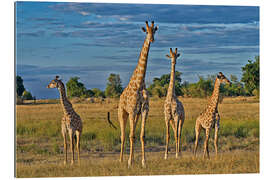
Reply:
x=71, y=121
x=134, y=99
x=209, y=118
x=173, y=109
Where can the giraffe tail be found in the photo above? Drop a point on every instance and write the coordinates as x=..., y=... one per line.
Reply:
x=109, y=121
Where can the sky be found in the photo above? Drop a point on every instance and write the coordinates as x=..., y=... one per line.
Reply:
x=93, y=40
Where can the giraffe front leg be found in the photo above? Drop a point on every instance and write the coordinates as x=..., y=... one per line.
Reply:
x=65, y=142
x=65, y=148
x=132, y=124
x=216, y=133
x=197, y=132
x=179, y=136
x=122, y=116
x=167, y=137
x=71, y=138
x=78, y=135
x=176, y=121
x=142, y=136
x=206, y=151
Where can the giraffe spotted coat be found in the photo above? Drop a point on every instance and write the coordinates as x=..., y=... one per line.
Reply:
x=71, y=123
x=134, y=101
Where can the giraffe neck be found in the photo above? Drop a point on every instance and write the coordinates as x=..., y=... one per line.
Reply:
x=139, y=73
x=67, y=106
x=171, y=88
x=213, y=102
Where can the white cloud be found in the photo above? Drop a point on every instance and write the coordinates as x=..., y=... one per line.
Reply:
x=84, y=13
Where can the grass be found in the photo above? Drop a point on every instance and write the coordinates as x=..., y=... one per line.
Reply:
x=39, y=145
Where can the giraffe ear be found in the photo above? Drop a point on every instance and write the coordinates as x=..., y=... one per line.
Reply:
x=156, y=28
x=177, y=55
x=143, y=29
x=168, y=56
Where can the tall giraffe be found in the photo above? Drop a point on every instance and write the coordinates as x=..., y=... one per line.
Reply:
x=209, y=118
x=134, y=99
x=173, y=108
x=71, y=121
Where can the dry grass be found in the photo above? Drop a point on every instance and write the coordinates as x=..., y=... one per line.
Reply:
x=40, y=145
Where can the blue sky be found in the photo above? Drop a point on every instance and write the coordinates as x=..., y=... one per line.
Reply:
x=92, y=40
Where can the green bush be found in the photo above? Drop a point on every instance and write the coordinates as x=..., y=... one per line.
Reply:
x=241, y=131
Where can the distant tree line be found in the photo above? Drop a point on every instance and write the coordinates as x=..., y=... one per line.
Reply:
x=247, y=86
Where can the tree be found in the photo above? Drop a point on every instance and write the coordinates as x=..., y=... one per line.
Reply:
x=160, y=85
x=98, y=93
x=19, y=86
x=75, y=88
x=205, y=86
x=27, y=95
x=251, y=76
x=235, y=89
x=89, y=93
x=114, y=87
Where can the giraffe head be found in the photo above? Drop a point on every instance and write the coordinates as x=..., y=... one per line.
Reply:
x=223, y=79
x=150, y=31
x=173, y=55
x=54, y=83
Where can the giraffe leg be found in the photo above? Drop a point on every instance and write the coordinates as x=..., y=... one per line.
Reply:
x=167, y=136
x=122, y=116
x=216, y=140
x=176, y=121
x=216, y=133
x=197, y=132
x=65, y=146
x=78, y=135
x=65, y=141
x=206, y=151
x=179, y=136
x=142, y=136
x=132, y=124
x=71, y=137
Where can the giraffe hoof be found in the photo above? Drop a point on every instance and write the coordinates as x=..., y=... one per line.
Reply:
x=165, y=157
x=143, y=164
x=129, y=164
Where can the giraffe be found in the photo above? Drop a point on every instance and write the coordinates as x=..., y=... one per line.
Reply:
x=173, y=109
x=71, y=121
x=134, y=101
x=209, y=118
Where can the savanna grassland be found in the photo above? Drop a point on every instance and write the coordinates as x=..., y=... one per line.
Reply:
x=39, y=144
